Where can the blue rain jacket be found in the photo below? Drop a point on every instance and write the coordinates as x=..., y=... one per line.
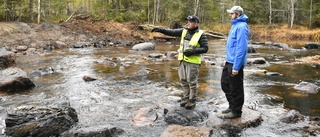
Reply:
x=237, y=43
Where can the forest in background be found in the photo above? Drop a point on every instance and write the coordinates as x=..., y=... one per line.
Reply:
x=267, y=12
x=272, y=19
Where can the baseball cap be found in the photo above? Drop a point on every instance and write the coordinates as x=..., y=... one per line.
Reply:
x=192, y=18
x=235, y=9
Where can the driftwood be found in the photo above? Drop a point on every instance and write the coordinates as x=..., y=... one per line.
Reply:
x=213, y=34
x=166, y=38
x=73, y=13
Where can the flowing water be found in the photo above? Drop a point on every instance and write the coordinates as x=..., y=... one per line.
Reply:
x=135, y=81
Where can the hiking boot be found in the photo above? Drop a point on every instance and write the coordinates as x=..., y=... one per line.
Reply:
x=226, y=111
x=230, y=115
x=184, y=101
x=191, y=104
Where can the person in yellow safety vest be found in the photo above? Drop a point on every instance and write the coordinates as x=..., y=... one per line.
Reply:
x=193, y=43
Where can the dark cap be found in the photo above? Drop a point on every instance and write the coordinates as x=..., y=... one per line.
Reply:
x=192, y=18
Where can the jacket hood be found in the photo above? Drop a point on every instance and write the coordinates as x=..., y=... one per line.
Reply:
x=242, y=18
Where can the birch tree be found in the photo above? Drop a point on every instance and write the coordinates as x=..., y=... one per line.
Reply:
x=196, y=7
x=292, y=2
x=270, y=12
x=39, y=10
x=310, y=18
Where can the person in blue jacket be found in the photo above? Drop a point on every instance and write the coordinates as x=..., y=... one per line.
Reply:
x=236, y=56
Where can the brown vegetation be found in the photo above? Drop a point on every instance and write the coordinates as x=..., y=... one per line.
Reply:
x=311, y=59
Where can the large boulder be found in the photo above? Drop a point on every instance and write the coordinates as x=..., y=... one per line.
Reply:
x=39, y=121
x=312, y=45
x=145, y=116
x=7, y=58
x=144, y=46
x=94, y=131
x=14, y=79
x=307, y=87
x=182, y=116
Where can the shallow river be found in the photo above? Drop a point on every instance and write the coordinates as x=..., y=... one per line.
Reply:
x=136, y=81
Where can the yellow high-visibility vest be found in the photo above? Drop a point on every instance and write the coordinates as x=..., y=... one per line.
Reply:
x=196, y=59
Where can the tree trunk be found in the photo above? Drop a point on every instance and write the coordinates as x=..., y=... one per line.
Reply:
x=292, y=13
x=156, y=11
x=8, y=7
x=222, y=13
x=39, y=10
x=270, y=14
x=31, y=9
x=310, y=22
x=117, y=5
x=68, y=8
x=196, y=7
x=148, y=14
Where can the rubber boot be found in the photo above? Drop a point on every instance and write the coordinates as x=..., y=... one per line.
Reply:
x=184, y=101
x=191, y=104
x=226, y=111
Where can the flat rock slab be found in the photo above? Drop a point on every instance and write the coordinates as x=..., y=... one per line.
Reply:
x=186, y=131
x=249, y=118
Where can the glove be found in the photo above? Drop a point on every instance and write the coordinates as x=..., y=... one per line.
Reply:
x=156, y=30
x=188, y=52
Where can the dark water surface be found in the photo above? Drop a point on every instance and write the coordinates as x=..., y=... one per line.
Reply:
x=123, y=89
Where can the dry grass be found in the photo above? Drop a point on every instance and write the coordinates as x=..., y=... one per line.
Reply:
x=311, y=59
x=285, y=32
x=298, y=35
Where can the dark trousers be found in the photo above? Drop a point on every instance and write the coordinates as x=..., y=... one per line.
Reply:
x=232, y=86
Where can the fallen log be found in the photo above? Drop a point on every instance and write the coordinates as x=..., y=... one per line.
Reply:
x=167, y=38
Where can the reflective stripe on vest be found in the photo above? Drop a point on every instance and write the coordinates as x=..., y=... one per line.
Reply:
x=196, y=59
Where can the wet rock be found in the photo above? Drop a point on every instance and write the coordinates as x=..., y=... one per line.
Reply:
x=281, y=45
x=171, y=54
x=7, y=58
x=251, y=50
x=60, y=45
x=88, y=78
x=39, y=121
x=258, y=43
x=81, y=45
x=256, y=61
x=143, y=72
x=182, y=116
x=144, y=46
x=145, y=116
x=249, y=118
x=109, y=63
x=273, y=74
x=41, y=72
x=21, y=48
x=155, y=56
x=32, y=51
x=96, y=131
x=293, y=116
x=317, y=66
x=312, y=45
x=307, y=87
x=14, y=79
x=186, y=131
x=49, y=47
